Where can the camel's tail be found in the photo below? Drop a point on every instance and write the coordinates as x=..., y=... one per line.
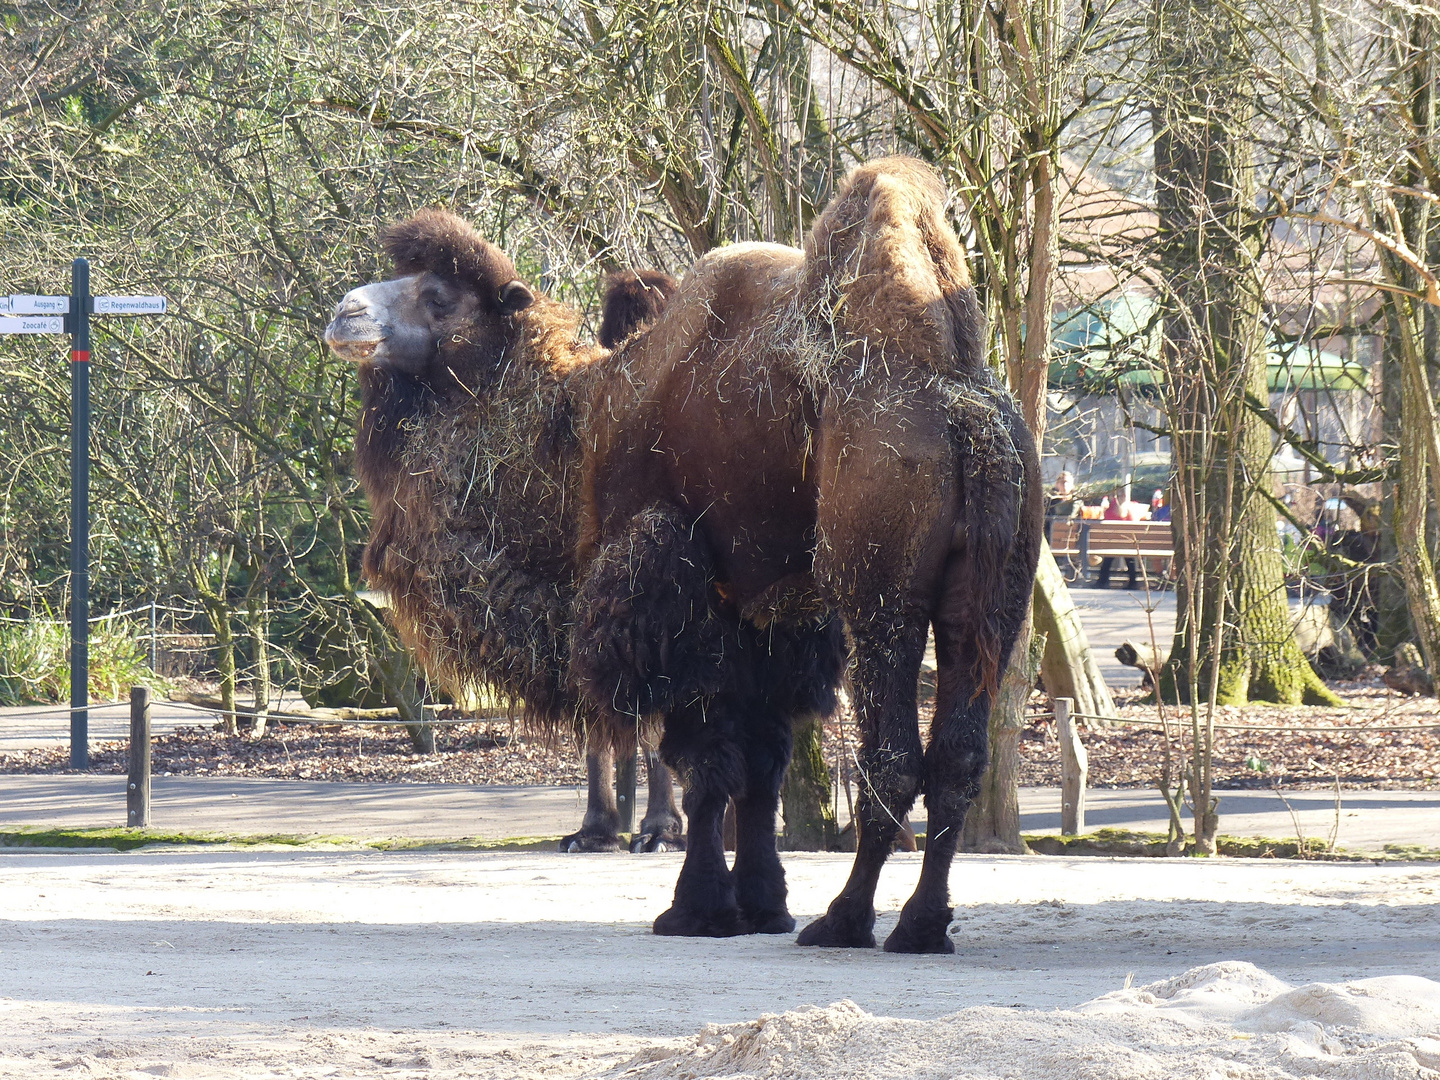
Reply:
x=997, y=538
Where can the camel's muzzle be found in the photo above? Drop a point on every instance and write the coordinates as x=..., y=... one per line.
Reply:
x=355, y=333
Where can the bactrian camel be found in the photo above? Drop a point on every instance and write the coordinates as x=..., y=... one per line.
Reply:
x=802, y=466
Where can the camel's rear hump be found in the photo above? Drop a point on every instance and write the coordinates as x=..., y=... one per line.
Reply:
x=887, y=265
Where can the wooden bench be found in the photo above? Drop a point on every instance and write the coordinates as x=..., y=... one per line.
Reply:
x=1079, y=545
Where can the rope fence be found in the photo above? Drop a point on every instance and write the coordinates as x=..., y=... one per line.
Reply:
x=44, y=711
x=1339, y=729
x=145, y=609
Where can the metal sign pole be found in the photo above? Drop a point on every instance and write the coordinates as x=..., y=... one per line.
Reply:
x=80, y=514
x=35, y=314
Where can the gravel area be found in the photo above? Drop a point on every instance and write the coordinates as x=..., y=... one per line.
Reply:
x=1123, y=756
x=503, y=753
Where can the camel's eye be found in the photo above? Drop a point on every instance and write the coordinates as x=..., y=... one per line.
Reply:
x=437, y=304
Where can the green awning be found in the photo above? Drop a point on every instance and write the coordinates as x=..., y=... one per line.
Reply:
x=1117, y=343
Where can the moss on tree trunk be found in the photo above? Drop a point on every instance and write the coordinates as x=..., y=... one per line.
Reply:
x=1242, y=603
x=805, y=797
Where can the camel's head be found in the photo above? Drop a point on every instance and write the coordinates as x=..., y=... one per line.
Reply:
x=446, y=318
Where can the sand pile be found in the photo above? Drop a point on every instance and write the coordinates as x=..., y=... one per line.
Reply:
x=1228, y=1020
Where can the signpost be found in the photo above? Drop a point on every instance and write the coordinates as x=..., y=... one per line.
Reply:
x=32, y=314
x=79, y=513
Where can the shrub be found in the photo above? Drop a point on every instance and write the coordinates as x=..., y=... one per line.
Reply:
x=35, y=661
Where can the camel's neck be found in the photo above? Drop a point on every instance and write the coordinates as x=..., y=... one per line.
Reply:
x=387, y=400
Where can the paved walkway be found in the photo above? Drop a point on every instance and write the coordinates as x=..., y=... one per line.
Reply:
x=1368, y=820
x=1115, y=615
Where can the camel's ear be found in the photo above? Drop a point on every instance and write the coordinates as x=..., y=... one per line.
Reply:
x=515, y=296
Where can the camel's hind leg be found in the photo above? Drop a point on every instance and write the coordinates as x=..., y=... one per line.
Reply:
x=886, y=667
x=885, y=523
x=954, y=763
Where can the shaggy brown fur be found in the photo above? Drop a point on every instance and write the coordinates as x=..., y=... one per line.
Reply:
x=827, y=424
x=800, y=443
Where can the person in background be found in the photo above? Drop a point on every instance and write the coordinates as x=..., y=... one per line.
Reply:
x=1061, y=502
x=1113, y=508
x=1159, y=508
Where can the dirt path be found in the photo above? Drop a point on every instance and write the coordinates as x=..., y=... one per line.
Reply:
x=301, y=964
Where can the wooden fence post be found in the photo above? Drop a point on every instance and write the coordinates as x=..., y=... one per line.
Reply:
x=1074, y=764
x=137, y=791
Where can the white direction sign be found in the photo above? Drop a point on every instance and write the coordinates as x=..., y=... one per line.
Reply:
x=129, y=305
x=31, y=324
x=39, y=305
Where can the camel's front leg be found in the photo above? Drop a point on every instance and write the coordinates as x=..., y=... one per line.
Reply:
x=759, y=877
x=600, y=830
x=699, y=742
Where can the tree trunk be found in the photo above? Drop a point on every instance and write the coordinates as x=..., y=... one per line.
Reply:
x=402, y=690
x=392, y=661
x=805, y=797
x=992, y=824
x=224, y=662
x=1388, y=589
x=1418, y=491
x=1412, y=497
x=1068, y=668
x=259, y=619
x=1231, y=592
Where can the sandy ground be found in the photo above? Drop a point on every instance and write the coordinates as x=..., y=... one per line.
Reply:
x=301, y=964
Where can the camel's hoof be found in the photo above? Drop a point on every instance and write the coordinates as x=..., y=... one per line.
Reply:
x=678, y=922
x=830, y=933
x=770, y=922
x=582, y=842
x=649, y=842
x=922, y=934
